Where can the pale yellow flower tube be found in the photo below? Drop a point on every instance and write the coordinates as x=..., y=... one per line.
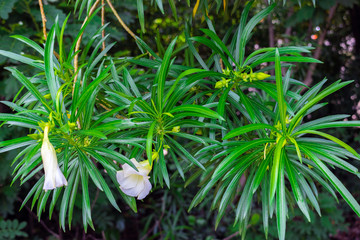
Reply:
x=135, y=183
x=53, y=176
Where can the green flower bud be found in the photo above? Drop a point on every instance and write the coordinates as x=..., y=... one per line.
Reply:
x=223, y=83
x=262, y=76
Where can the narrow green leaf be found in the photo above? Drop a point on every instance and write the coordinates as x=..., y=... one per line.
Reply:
x=35, y=63
x=140, y=8
x=280, y=90
x=49, y=64
x=281, y=209
x=248, y=128
x=198, y=110
x=276, y=166
x=329, y=90
x=26, y=82
x=335, y=182
x=332, y=138
x=149, y=142
x=292, y=173
x=186, y=153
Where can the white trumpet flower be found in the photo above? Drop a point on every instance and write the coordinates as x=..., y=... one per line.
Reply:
x=53, y=176
x=135, y=183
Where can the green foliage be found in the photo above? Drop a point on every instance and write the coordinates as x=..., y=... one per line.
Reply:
x=6, y=8
x=11, y=229
x=220, y=119
x=331, y=221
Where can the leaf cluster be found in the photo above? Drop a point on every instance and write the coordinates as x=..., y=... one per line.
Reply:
x=222, y=120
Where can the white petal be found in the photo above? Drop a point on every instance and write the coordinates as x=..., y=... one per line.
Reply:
x=128, y=170
x=131, y=181
x=135, y=183
x=140, y=185
x=120, y=176
x=53, y=175
x=143, y=171
x=133, y=192
x=146, y=190
x=49, y=183
x=60, y=179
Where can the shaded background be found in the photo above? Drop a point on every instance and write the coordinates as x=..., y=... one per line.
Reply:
x=332, y=28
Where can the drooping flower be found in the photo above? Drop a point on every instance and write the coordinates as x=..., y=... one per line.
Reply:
x=53, y=176
x=135, y=183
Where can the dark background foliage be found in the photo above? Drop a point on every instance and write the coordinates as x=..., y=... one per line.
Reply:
x=332, y=28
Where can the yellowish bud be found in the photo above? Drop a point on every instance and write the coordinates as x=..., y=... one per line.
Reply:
x=198, y=132
x=154, y=156
x=176, y=129
x=245, y=77
x=72, y=125
x=222, y=83
x=226, y=71
x=262, y=76
x=34, y=136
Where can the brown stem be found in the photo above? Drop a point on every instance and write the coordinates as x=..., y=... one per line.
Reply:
x=103, y=22
x=77, y=46
x=57, y=236
x=308, y=79
x=271, y=36
x=28, y=11
x=271, y=32
x=157, y=223
x=232, y=236
x=43, y=18
x=288, y=29
x=95, y=199
x=127, y=29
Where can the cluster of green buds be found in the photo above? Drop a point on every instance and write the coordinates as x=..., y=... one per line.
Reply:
x=254, y=76
x=238, y=76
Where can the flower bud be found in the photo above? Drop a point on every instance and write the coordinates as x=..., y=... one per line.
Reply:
x=223, y=83
x=176, y=129
x=135, y=183
x=53, y=176
x=262, y=76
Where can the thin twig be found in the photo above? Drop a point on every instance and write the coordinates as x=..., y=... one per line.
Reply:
x=41, y=221
x=95, y=199
x=157, y=222
x=103, y=22
x=308, y=80
x=120, y=20
x=77, y=46
x=232, y=236
x=43, y=18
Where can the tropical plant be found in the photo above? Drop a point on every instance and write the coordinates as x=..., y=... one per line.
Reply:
x=224, y=120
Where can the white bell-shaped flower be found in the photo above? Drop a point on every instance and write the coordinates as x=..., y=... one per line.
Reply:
x=135, y=183
x=53, y=176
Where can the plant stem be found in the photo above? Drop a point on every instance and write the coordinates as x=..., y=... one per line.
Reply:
x=308, y=80
x=43, y=18
x=103, y=22
x=28, y=10
x=127, y=29
x=77, y=46
x=41, y=221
